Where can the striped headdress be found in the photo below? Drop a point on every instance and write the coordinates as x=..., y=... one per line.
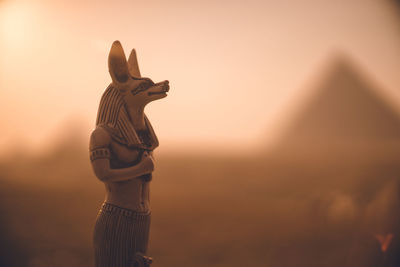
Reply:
x=113, y=116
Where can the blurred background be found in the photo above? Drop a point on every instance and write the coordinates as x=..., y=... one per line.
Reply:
x=280, y=137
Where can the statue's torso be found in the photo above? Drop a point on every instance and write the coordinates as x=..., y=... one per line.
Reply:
x=132, y=194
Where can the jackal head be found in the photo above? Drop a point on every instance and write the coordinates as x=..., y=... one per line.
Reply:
x=125, y=75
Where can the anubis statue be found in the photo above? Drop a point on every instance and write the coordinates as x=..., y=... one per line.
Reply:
x=121, y=153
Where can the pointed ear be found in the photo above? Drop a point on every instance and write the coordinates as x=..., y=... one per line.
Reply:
x=133, y=64
x=117, y=65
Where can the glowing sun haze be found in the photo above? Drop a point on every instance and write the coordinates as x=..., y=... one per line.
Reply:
x=234, y=67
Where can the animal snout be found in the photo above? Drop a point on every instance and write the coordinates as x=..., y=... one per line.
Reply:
x=165, y=85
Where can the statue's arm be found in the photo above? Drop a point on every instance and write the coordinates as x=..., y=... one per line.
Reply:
x=99, y=147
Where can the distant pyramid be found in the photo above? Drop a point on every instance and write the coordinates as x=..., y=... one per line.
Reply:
x=345, y=112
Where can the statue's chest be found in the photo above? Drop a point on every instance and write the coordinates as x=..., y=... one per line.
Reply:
x=122, y=156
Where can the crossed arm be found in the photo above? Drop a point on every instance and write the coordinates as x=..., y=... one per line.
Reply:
x=100, y=142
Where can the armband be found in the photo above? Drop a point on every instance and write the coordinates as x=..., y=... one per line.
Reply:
x=100, y=153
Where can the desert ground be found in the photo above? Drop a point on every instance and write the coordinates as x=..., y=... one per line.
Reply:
x=265, y=210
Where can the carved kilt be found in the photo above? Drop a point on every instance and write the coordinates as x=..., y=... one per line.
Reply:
x=118, y=235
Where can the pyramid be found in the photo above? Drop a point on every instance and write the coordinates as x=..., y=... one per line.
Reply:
x=344, y=113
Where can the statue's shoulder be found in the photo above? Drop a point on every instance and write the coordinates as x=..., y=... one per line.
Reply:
x=99, y=138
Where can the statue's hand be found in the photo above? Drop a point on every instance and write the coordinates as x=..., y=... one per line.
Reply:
x=147, y=162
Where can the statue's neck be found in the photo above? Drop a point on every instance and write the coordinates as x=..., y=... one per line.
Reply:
x=137, y=118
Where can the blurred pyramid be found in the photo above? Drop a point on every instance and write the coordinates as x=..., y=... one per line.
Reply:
x=345, y=114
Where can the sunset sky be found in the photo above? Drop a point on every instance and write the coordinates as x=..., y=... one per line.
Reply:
x=235, y=67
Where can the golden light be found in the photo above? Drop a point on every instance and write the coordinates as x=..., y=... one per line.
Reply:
x=15, y=23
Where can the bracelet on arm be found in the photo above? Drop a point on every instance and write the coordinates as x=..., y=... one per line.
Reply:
x=99, y=153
